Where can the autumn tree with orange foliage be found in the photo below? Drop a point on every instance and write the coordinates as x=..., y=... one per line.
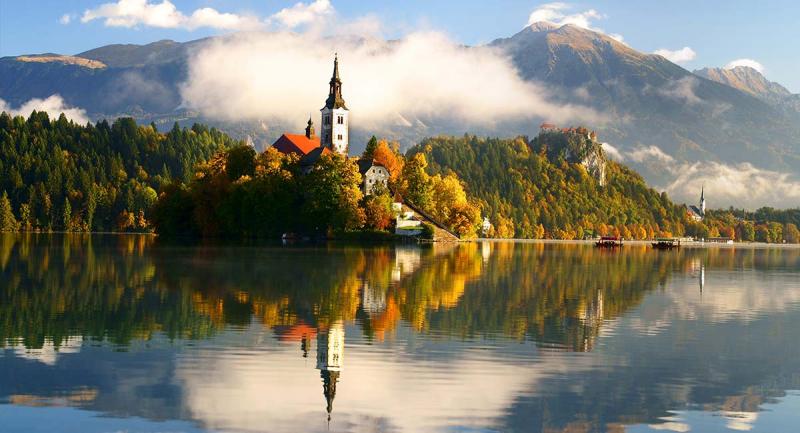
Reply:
x=388, y=155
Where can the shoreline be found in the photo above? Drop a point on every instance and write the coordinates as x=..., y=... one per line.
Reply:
x=647, y=243
x=693, y=244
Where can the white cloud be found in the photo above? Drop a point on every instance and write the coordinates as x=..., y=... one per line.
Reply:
x=65, y=19
x=132, y=13
x=49, y=353
x=557, y=13
x=649, y=153
x=54, y=105
x=680, y=90
x=683, y=55
x=422, y=76
x=236, y=393
x=302, y=13
x=613, y=152
x=671, y=426
x=746, y=62
x=738, y=185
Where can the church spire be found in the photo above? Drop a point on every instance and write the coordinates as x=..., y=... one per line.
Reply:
x=335, y=99
x=329, y=379
x=703, y=200
x=310, y=129
x=336, y=67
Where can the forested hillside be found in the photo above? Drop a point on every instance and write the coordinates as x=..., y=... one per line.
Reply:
x=58, y=175
x=527, y=194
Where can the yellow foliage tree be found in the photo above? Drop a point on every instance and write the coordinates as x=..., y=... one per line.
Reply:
x=504, y=228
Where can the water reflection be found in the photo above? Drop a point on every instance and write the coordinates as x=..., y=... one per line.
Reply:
x=492, y=336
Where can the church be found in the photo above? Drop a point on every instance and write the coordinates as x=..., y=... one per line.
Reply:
x=334, y=137
x=335, y=132
x=697, y=213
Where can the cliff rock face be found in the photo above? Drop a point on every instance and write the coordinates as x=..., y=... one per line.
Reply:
x=576, y=146
x=595, y=164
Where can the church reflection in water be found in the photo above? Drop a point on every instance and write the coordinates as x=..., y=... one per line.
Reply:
x=330, y=357
x=532, y=309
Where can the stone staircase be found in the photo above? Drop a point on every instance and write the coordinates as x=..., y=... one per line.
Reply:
x=440, y=232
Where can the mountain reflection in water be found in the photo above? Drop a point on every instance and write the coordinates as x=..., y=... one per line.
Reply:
x=472, y=337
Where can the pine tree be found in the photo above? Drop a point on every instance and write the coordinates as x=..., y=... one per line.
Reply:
x=67, y=215
x=372, y=144
x=8, y=223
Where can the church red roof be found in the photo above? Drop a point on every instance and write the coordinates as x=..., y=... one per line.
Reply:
x=295, y=332
x=296, y=143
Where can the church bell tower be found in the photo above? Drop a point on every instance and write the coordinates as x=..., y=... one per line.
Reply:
x=703, y=200
x=335, y=116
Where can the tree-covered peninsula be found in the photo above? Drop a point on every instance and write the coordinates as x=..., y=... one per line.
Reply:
x=558, y=185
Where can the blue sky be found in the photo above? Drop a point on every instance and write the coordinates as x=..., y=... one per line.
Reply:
x=717, y=31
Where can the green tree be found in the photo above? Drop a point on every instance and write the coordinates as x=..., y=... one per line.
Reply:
x=25, y=216
x=747, y=231
x=776, y=232
x=241, y=161
x=372, y=144
x=8, y=223
x=792, y=234
x=378, y=209
x=763, y=234
x=417, y=183
x=173, y=213
x=332, y=195
x=67, y=216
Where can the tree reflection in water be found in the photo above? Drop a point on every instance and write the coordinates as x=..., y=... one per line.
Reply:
x=63, y=291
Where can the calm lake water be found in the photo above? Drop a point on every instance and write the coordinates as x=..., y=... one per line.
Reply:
x=123, y=334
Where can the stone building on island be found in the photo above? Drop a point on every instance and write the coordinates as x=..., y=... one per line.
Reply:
x=372, y=173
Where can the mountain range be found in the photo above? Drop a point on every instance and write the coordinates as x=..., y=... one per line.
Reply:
x=657, y=114
x=749, y=80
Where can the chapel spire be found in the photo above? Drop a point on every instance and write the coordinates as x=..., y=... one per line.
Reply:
x=703, y=200
x=310, y=133
x=335, y=99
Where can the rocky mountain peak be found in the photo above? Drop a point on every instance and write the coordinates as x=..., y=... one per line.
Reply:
x=746, y=79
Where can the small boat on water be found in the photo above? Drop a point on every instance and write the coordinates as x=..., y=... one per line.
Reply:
x=666, y=243
x=609, y=242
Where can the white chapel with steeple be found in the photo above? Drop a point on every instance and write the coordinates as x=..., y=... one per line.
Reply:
x=335, y=116
x=334, y=133
x=697, y=213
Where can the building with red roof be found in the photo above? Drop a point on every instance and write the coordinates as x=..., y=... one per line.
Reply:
x=301, y=144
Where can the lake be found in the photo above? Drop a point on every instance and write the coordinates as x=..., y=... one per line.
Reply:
x=113, y=333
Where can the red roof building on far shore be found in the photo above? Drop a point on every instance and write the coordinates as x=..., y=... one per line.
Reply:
x=547, y=126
